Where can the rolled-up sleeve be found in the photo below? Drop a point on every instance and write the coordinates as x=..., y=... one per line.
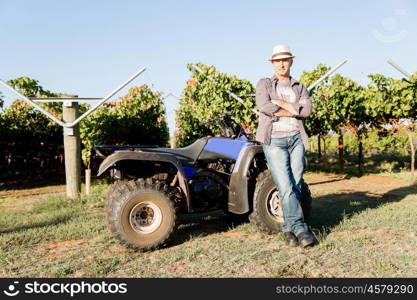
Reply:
x=306, y=105
x=263, y=100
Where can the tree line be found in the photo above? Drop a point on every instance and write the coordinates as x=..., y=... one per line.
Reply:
x=30, y=143
x=341, y=105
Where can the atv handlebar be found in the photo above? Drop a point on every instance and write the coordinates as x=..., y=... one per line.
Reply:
x=229, y=127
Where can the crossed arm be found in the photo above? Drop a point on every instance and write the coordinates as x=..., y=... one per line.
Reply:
x=287, y=109
x=280, y=108
x=293, y=110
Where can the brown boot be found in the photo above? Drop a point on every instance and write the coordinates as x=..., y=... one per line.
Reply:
x=305, y=239
x=290, y=239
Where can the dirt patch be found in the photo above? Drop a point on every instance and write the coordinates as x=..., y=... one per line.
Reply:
x=234, y=234
x=118, y=248
x=62, y=244
x=80, y=273
x=382, y=180
x=31, y=192
x=26, y=197
x=179, y=266
x=61, y=248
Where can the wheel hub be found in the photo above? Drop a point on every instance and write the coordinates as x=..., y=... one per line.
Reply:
x=274, y=206
x=145, y=217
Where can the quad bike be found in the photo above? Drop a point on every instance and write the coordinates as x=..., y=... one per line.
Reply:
x=154, y=185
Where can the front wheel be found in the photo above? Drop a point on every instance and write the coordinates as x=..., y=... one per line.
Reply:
x=141, y=215
x=267, y=212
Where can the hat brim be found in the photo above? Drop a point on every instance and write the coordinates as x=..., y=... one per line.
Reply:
x=281, y=57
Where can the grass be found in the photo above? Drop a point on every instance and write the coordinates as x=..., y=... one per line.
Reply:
x=361, y=234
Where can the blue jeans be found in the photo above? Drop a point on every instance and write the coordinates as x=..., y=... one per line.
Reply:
x=286, y=161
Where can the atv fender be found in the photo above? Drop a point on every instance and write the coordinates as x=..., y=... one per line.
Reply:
x=238, y=186
x=117, y=156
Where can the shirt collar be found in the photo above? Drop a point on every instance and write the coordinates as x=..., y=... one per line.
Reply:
x=292, y=80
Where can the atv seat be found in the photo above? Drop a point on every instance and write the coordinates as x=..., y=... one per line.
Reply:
x=187, y=155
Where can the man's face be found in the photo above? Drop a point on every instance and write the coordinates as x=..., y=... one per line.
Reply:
x=282, y=66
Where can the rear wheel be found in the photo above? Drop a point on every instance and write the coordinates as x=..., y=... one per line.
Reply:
x=140, y=214
x=267, y=212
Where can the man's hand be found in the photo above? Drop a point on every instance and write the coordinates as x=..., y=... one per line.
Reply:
x=287, y=106
x=284, y=113
x=278, y=102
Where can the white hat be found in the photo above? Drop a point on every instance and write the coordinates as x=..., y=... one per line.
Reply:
x=281, y=52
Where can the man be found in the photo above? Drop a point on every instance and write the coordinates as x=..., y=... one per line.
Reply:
x=282, y=102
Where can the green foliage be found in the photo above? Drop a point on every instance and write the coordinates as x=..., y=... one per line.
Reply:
x=388, y=99
x=375, y=142
x=309, y=77
x=316, y=123
x=203, y=99
x=137, y=118
x=339, y=104
x=32, y=143
x=383, y=142
x=382, y=151
x=29, y=141
x=339, y=101
x=346, y=102
x=30, y=87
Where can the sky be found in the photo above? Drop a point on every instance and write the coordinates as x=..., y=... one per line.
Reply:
x=88, y=48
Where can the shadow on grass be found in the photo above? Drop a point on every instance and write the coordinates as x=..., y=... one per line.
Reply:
x=53, y=221
x=329, y=210
x=199, y=225
x=329, y=181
